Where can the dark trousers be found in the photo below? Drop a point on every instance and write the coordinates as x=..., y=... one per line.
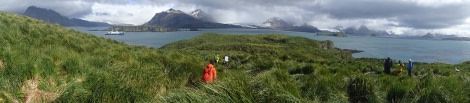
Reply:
x=387, y=70
x=409, y=72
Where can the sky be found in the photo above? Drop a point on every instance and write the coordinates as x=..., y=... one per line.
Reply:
x=405, y=17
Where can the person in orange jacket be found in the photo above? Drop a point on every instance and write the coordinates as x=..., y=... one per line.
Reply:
x=209, y=73
x=400, y=67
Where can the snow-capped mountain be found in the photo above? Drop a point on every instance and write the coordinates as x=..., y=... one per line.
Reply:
x=178, y=19
x=201, y=15
x=276, y=23
x=365, y=31
x=171, y=10
x=279, y=24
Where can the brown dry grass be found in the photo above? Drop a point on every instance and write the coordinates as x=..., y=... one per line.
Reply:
x=33, y=94
x=2, y=64
x=8, y=97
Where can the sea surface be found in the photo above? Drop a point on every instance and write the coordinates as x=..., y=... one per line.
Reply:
x=451, y=52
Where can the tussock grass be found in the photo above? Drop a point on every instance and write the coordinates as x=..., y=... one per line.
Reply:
x=48, y=63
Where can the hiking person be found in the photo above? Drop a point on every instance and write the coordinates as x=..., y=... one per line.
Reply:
x=209, y=73
x=387, y=65
x=226, y=60
x=400, y=68
x=410, y=66
x=216, y=58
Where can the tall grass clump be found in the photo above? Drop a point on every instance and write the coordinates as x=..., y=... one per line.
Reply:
x=324, y=89
x=397, y=94
x=275, y=86
x=360, y=90
x=432, y=96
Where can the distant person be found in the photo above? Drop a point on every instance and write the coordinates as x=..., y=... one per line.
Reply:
x=216, y=58
x=410, y=66
x=226, y=60
x=400, y=68
x=387, y=65
x=209, y=73
x=206, y=57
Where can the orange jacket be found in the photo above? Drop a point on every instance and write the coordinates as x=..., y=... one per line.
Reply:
x=209, y=74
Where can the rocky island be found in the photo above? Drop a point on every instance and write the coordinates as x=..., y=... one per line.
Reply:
x=142, y=28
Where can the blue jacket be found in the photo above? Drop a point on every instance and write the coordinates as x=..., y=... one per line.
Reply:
x=410, y=65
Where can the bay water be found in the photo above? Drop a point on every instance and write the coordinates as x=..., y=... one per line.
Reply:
x=451, y=52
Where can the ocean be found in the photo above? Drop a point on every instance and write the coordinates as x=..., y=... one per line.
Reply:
x=451, y=52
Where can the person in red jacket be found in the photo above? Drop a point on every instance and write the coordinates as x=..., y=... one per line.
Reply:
x=209, y=73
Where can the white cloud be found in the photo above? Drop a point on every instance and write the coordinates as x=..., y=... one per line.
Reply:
x=436, y=3
x=124, y=14
x=400, y=16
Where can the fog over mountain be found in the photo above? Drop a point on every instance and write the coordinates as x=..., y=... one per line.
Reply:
x=409, y=17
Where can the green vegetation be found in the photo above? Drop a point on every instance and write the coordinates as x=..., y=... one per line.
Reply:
x=41, y=62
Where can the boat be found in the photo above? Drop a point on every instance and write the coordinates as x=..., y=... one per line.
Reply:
x=112, y=32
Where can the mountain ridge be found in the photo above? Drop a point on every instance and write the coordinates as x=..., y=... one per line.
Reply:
x=364, y=31
x=177, y=19
x=54, y=17
x=279, y=24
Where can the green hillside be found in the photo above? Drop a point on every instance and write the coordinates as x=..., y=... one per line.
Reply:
x=42, y=62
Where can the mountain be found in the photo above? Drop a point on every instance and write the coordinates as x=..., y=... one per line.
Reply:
x=428, y=35
x=178, y=19
x=440, y=36
x=279, y=24
x=201, y=15
x=365, y=31
x=276, y=23
x=53, y=17
x=457, y=38
x=47, y=15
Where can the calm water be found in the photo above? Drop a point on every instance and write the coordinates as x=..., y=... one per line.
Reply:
x=452, y=52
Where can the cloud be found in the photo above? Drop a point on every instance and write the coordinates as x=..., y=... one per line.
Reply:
x=399, y=15
x=415, y=15
x=123, y=13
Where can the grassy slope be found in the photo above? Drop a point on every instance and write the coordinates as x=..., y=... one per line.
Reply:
x=70, y=65
x=281, y=68
x=43, y=62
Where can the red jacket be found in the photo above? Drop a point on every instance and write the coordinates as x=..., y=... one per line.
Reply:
x=209, y=74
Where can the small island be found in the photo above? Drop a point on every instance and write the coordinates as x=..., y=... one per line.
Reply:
x=458, y=38
x=327, y=33
x=142, y=29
